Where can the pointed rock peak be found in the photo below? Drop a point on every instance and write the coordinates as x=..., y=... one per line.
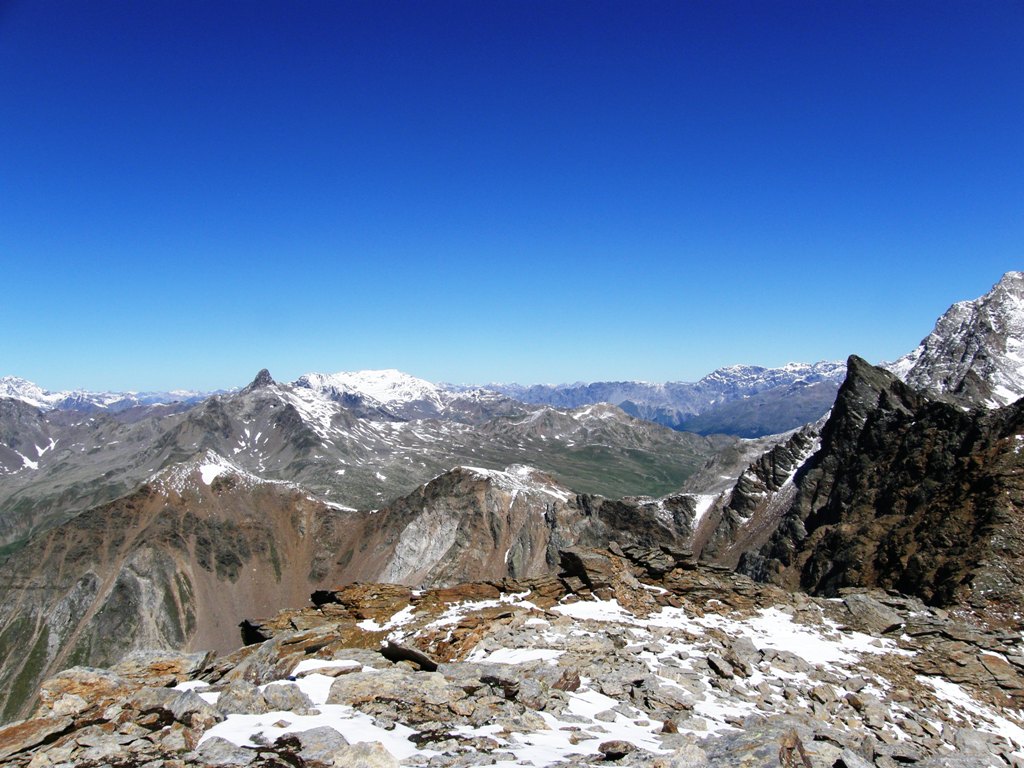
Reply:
x=1009, y=290
x=263, y=379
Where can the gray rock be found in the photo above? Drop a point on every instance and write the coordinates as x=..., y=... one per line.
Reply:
x=24, y=734
x=191, y=709
x=978, y=742
x=869, y=615
x=533, y=693
x=851, y=759
x=616, y=749
x=823, y=693
x=286, y=696
x=173, y=739
x=720, y=666
x=412, y=697
x=364, y=755
x=317, y=747
x=218, y=751
x=149, y=700
x=242, y=698
x=687, y=756
x=162, y=667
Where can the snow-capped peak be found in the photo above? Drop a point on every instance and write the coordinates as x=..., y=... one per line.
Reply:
x=24, y=390
x=388, y=387
x=754, y=378
x=976, y=350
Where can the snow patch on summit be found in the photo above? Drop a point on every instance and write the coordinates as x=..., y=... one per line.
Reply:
x=388, y=387
x=975, y=351
x=203, y=470
x=520, y=478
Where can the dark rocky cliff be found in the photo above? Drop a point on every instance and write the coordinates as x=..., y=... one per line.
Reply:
x=910, y=493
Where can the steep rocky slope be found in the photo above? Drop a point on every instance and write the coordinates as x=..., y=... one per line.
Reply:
x=635, y=657
x=179, y=562
x=906, y=492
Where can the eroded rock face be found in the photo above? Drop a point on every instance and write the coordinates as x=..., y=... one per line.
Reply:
x=707, y=668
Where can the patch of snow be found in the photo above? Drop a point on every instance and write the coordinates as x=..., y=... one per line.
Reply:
x=514, y=655
x=704, y=503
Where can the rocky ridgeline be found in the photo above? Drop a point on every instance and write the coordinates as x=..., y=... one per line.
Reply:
x=631, y=656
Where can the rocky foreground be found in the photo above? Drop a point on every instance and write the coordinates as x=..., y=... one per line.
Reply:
x=631, y=656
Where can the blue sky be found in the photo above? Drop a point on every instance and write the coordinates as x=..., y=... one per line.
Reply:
x=496, y=191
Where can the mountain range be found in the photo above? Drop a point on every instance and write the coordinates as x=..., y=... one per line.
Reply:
x=739, y=400
x=162, y=527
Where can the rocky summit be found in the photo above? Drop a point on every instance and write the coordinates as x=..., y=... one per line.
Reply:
x=629, y=656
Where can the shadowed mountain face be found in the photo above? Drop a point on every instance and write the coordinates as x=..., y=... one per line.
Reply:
x=179, y=562
x=913, y=486
x=906, y=492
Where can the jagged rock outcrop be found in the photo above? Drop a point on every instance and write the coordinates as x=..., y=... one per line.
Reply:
x=975, y=354
x=263, y=379
x=748, y=515
x=907, y=492
x=694, y=667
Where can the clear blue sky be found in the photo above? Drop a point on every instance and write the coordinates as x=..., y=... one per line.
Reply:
x=496, y=190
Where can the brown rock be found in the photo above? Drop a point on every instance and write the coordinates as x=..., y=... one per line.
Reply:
x=98, y=687
x=162, y=668
x=26, y=734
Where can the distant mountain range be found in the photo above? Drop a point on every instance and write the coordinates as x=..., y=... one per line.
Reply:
x=83, y=400
x=975, y=341
x=740, y=400
x=352, y=446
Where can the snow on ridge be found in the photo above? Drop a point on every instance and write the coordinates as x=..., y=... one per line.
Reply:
x=28, y=392
x=18, y=388
x=520, y=478
x=704, y=504
x=188, y=475
x=388, y=386
x=602, y=411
